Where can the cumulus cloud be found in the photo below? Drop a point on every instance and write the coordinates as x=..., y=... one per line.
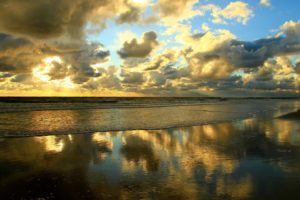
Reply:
x=210, y=61
x=167, y=58
x=45, y=40
x=77, y=62
x=20, y=57
x=174, y=15
x=227, y=52
x=133, y=12
x=266, y=3
x=213, y=57
x=17, y=54
x=46, y=19
x=132, y=77
x=238, y=10
x=141, y=49
x=107, y=80
x=277, y=73
x=44, y=43
x=54, y=18
x=176, y=10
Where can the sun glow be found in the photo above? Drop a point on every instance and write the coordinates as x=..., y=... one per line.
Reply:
x=49, y=60
x=139, y=1
x=41, y=73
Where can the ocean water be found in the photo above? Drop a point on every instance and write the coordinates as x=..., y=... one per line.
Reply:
x=211, y=150
x=43, y=117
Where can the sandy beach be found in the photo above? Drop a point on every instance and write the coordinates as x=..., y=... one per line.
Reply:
x=221, y=150
x=47, y=116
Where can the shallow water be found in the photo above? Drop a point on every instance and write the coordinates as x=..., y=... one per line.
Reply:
x=249, y=159
x=254, y=158
x=58, y=120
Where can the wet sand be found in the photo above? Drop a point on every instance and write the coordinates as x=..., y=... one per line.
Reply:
x=248, y=159
x=150, y=114
x=253, y=157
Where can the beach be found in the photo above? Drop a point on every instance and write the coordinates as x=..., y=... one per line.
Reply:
x=55, y=116
x=229, y=153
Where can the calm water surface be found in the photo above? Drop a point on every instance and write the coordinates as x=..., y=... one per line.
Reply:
x=249, y=159
x=15, y=122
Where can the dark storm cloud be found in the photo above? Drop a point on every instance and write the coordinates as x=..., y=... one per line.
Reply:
x=139, y=50
x=4, y=67
x=17, y=54
x=46, y=18
x=8, y=42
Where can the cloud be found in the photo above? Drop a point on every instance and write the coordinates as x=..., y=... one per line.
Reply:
x=43, y=45
x=216, y=62
x=132, y=15
x=276, y=74
x=17, y=54
x=132, y=78
x=46, y=19
x=239, y=11
x=176, y=10
x=167, y=58
x=57, y=71
x=20, y=57
x=108, y=80
x=55, y=18
x=21, y=78
x=174, y=15
x=80, y=61
x=227, y=52
x=141, y=49
x=133, y=12
x=266, y=3
x=297, y=68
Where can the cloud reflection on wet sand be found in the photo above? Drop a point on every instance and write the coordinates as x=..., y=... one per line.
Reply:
x=239, y=160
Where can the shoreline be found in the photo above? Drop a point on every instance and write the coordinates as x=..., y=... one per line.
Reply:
x=82, y=120
x=11, y=136
x=29, y=106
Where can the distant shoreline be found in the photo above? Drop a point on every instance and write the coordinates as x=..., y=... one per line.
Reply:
x=28, y=99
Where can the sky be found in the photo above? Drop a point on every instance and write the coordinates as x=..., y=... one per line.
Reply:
x=149, y=48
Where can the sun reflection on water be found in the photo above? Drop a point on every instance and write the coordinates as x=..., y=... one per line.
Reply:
x=51, y=143
x=218, y=161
